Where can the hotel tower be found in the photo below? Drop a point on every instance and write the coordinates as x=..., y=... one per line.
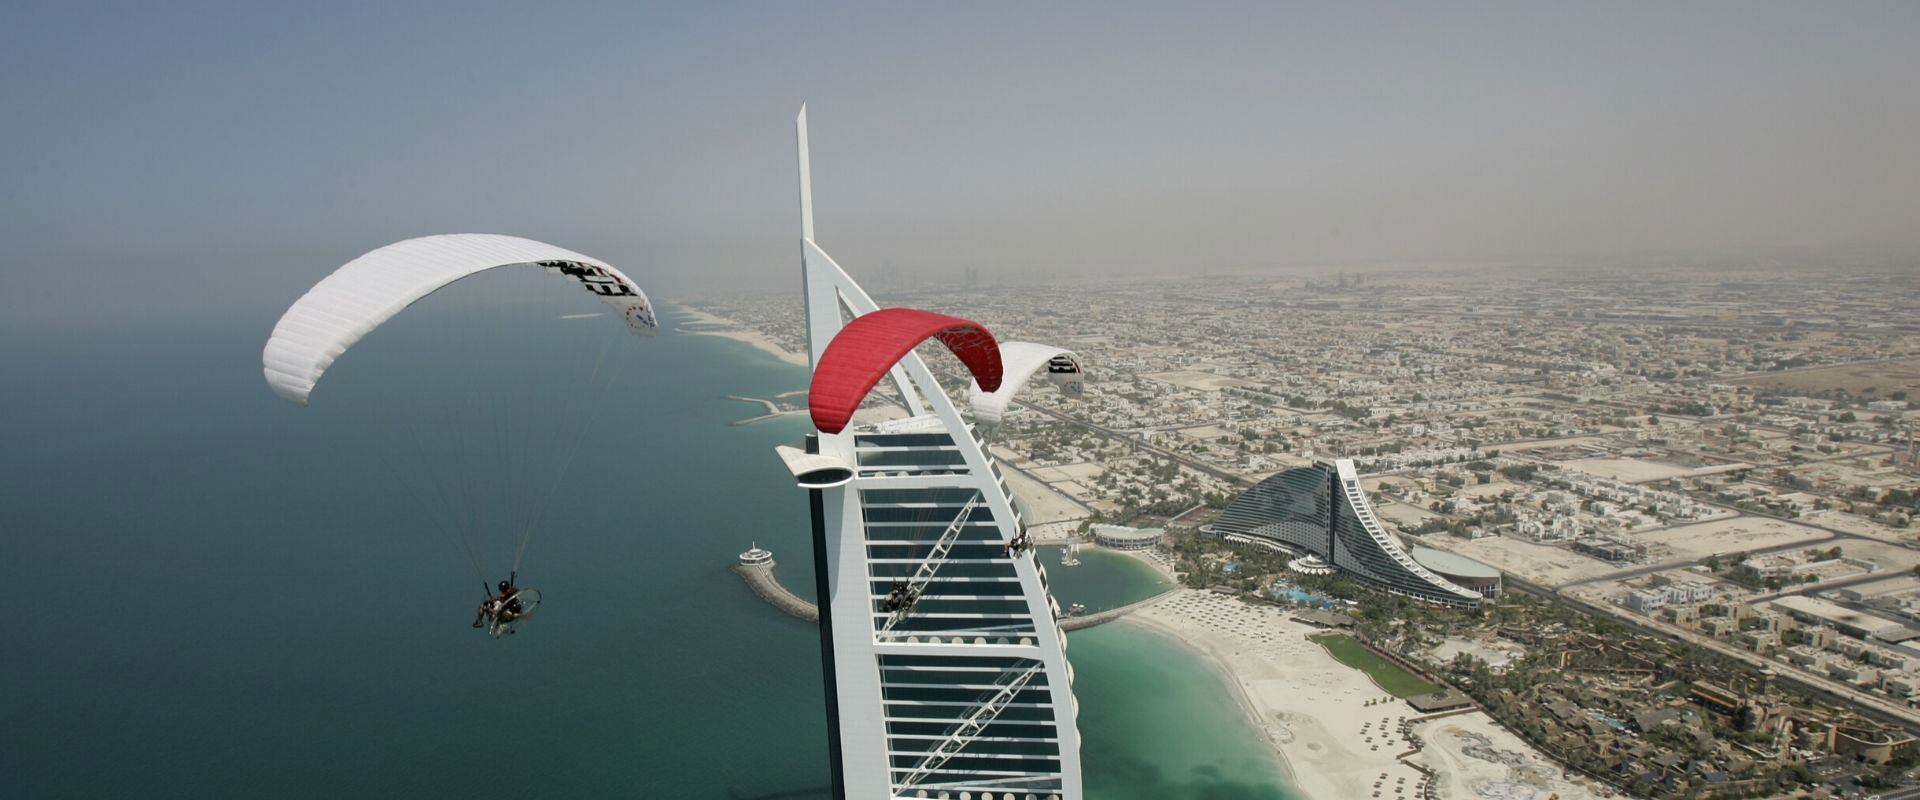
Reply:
x=1320, y=513
x=946, y=674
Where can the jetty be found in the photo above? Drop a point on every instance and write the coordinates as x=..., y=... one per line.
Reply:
x=1109, y=615
x=774, y=410
x=756, y=570
x=759, y=578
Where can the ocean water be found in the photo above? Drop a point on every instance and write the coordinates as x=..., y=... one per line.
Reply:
x=1159, y=721
x=221, y=594
x=1157, y=718
x=1102, y=580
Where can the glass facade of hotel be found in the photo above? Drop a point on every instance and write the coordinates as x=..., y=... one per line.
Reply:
x=1320, y=510
x=973, y=637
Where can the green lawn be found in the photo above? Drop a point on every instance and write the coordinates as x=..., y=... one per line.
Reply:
x=1398, y=682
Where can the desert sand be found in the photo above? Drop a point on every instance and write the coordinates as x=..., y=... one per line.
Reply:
x=1479, y=760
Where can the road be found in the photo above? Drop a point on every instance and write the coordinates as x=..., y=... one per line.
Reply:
x=1825, y=586
x=1908, y=793
x=1770, y=373
x=1663, y=566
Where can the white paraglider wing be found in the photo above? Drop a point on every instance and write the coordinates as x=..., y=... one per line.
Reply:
x=1020, y=362
x=347, y=305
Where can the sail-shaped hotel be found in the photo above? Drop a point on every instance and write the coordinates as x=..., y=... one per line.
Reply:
x=946, y=673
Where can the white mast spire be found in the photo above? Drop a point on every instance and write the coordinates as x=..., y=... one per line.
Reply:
x=806, y=178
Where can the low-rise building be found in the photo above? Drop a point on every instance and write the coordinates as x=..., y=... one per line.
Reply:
x=1816, y=611
x=1645, y=600
x=1606, y=549
x=1121, y=537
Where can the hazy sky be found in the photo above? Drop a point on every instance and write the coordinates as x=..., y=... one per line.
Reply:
x=172, y=158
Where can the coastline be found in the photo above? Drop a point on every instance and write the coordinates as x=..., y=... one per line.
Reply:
x=1331, y=730
x=1335, y=732
x=1165, y=569
x=1226, y=676
x=739, y=333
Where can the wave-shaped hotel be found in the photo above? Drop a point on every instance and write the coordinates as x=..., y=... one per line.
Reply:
x=1320, y=515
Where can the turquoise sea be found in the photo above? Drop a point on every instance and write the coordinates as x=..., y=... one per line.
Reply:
x=220, y=594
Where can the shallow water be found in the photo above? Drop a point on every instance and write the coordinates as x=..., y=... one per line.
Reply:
x=1160, y=721
x=1102, y=580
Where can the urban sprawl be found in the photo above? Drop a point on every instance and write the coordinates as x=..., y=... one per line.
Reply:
x=1697, y=485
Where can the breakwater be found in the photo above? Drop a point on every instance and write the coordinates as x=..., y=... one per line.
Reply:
x=774, y=411
x=761, y=580
x=1109, y=615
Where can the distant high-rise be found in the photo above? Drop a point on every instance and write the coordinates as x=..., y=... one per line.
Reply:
x=946, y=673
x=1320, y=511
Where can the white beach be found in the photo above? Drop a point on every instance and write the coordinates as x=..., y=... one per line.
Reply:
x=1338, y=733
x=740, y=333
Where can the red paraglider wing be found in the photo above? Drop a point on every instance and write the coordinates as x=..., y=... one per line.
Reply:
x=860, y=355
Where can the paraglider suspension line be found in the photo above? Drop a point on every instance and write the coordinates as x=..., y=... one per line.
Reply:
x=597, y=387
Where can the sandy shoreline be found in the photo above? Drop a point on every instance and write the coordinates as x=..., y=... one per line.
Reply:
x=1154, y=560
x=1336, y=733
x=1226, y=676
x=740, y=333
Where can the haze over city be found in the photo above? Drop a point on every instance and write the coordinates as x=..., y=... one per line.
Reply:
x=175, y=149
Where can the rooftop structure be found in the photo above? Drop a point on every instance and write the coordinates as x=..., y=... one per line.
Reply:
x=1460, y=570
x=1606, y=549
x=1121, y=537
x=1320, y=510
x=756, y=556
x=1310, y=565
x=1848, y=621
